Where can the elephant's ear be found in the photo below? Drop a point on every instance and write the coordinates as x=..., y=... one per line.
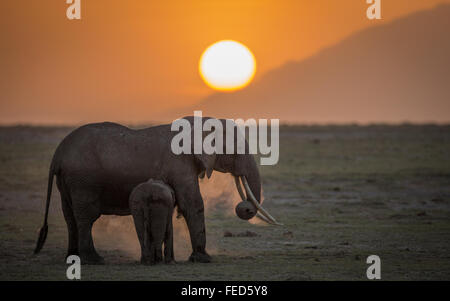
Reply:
x=172, y=193
x=206, y=163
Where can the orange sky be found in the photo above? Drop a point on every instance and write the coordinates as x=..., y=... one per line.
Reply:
x=128, y=60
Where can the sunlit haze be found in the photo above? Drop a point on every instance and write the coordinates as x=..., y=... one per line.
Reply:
x=134, y=61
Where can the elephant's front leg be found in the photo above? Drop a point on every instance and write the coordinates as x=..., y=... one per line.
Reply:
x=191, y=205
x=169, y=256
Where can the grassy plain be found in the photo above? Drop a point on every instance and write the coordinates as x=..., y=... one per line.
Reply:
x=343, y=193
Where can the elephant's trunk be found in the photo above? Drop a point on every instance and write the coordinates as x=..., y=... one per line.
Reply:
x=251, y=173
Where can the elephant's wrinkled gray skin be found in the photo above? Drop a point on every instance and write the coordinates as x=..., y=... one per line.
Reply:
x=151, y=204
x=98, y=165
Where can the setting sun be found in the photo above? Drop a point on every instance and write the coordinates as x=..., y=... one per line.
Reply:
x=227, y=65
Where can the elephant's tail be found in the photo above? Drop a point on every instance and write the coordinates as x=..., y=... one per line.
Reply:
x=44, y=230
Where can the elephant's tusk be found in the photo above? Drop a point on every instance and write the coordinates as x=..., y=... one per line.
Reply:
x=258, y=205
x=244, y=198
x=239, y=188
x=263, y=218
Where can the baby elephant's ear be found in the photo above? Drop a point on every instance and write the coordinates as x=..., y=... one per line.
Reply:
x=133, y=195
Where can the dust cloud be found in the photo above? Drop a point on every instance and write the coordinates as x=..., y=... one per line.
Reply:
x=117, y=233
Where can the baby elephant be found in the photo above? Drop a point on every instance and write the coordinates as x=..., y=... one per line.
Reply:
x=151, y=204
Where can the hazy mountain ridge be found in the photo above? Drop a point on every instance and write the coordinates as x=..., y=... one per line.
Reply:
x=398, y=71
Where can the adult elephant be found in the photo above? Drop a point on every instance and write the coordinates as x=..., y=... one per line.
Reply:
x=97, y=166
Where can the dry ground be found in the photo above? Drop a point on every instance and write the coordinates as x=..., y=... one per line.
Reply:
x=343, y=193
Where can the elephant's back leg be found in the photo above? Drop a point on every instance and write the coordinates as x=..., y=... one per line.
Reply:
x=86, y=209
x=66, y=204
